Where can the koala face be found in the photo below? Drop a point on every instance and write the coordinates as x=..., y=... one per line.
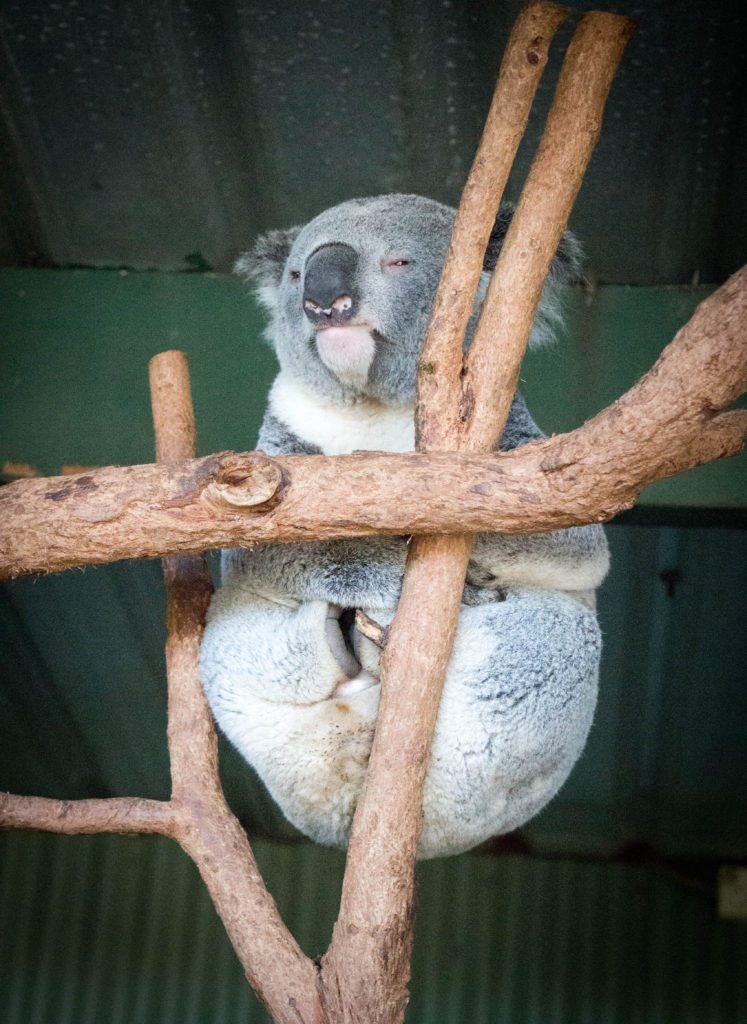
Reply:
x=350, y=292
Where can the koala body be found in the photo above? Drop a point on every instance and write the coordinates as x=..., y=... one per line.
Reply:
x=291, y=682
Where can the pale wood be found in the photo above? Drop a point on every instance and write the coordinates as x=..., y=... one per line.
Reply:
x=79, y=817
x=439, y=385
x=193, y=747
x=275, y=966
x=372, y=629
x=371, y=942
x=671, y=421
x=491, y=370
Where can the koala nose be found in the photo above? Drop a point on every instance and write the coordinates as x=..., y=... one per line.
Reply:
x=329, y=295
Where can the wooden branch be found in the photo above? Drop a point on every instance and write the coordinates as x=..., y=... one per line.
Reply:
x=76, y=817
x=671, y=421
x=491, y=367
x=275, y=966
x=197, y=815
x=439, y=384
x=372, y=629
x=193, y=746
x=372, y=938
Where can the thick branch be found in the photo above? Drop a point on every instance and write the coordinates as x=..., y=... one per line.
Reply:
x=373, y=934
x=671, y=421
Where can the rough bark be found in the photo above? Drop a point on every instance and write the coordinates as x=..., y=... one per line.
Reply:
x=197, y=815
x=367, y=966
x=276, y=968
x=671, y=421
x=80, y=817
x=524, y=60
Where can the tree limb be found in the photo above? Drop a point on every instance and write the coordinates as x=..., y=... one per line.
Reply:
x=672, y=420
x=76, y=817
x=275, y=966
x=372, y=938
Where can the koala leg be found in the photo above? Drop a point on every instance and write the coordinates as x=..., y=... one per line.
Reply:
x=517, y=705
x=288, y=692
x=292, y=698
x=516, y=709
x=572, y=560
x=276, y=648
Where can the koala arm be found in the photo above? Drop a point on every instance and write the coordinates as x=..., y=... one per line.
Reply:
x=574, y=559
x=367, y=572
x=362, y=573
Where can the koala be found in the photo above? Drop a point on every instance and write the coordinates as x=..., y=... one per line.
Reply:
x=290, y=680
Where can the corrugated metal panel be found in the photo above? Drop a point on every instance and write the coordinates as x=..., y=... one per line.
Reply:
x=167, y=134
x=664, y=770
x=105, y=930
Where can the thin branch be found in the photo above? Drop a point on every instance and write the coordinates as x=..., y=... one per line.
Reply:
x=193, y=746
x=439, y=384
x=276, y=968
x=671, y=421
x=491, y=370
x=76, y=817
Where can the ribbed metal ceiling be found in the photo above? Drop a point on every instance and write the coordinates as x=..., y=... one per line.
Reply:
x=167, y=134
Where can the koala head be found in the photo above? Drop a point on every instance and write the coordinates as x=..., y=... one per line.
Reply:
x=350, y=292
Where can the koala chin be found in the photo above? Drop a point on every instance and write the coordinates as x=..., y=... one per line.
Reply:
x=291, y=682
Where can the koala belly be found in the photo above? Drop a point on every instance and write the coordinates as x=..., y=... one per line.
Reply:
x=517, y=705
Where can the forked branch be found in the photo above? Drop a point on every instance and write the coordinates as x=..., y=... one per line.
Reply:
x=370, y=950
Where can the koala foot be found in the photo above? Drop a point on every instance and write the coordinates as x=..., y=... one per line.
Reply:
x=360, y=682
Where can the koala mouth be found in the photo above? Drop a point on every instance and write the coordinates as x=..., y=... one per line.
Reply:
x=347, y=351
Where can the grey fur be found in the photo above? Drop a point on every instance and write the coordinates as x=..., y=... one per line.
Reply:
x=522, y=684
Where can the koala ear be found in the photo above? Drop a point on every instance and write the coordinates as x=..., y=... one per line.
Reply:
x=565, y=266
x=264, y=263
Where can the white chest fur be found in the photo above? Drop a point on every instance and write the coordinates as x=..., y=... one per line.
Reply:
x=337, y=429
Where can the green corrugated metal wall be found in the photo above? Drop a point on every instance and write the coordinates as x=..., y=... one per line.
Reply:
x=116, y=930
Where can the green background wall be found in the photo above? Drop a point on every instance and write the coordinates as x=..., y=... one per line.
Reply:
x=121, y=931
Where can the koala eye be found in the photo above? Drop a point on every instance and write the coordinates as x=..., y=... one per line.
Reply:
x=295, y=275
x=396, y=266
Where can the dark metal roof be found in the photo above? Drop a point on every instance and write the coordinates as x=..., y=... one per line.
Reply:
x=166, y=135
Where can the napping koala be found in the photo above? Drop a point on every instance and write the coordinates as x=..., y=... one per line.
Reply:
x=291, y=682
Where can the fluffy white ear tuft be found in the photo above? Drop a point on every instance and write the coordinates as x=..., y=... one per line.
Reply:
x=264, y=263
x=564, y=269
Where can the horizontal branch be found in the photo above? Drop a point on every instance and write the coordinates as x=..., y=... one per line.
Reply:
x=672, y=420
x=76, y=817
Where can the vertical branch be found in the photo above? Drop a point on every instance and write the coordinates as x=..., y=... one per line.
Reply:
x=276, y=968
x=491, y=370
x=373, y=935
x=439, y=385
x=193, y=748
x=367, y=968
